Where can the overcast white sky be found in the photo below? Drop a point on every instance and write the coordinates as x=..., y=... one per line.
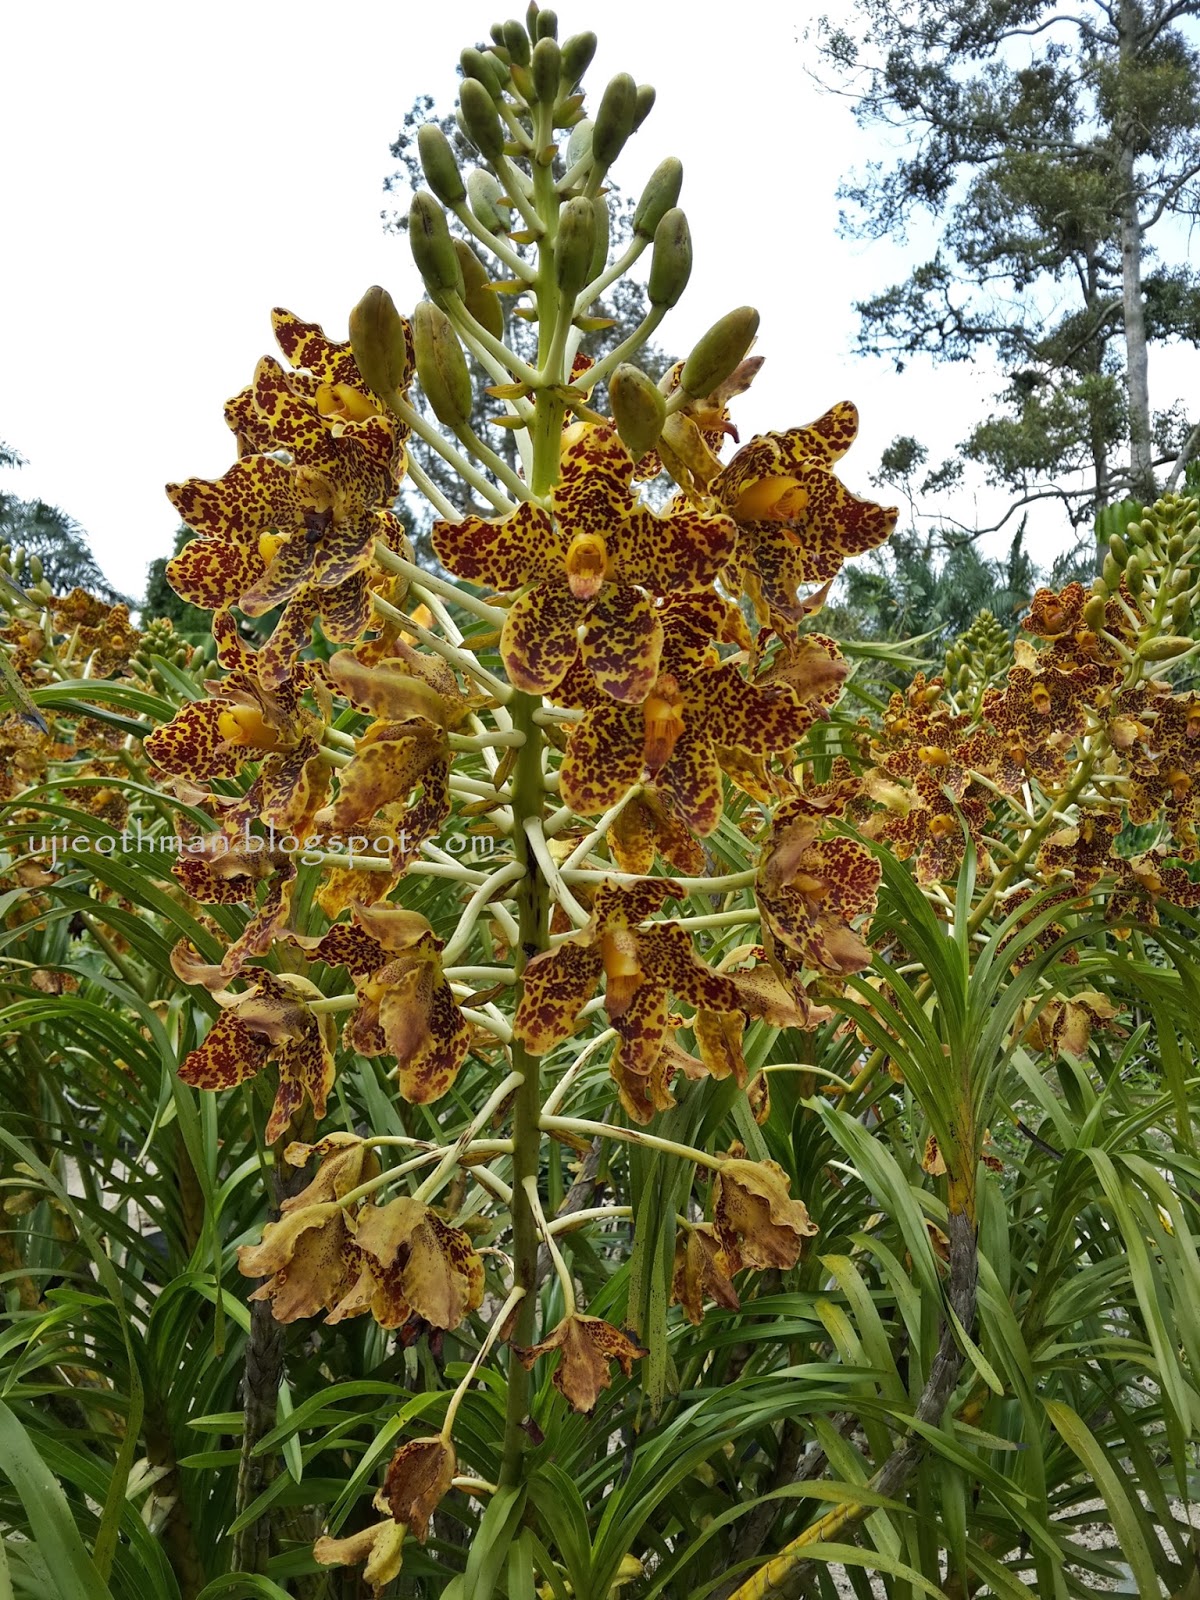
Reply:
x=171, y=172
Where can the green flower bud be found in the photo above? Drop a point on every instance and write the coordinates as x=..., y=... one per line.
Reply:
x=1165, y=648
x=600, y=248
x=614, y=120
x=638, y=409
x=644, y=104
x=1135, y=577
x=547, y=24
x=481, y=66
x=1182, y=581
x=577, y=53
x=378, y=342
x=718, y=352
x=432, y=247
x=1111, y=571
x=479, y=300
x=964, y=677
x=516, y=42
x=485, y=197
x=18, y=558
x=481, y=119
x=441, y=365
x=671, y=259
x=1119, y=549
x=545, y=70
x=580, y=141
x=1181, y=611
x=574, y=245
x=36, y=570
x=659, y=195
x=439, y=166
x=1175, y=547
x=1094, y=612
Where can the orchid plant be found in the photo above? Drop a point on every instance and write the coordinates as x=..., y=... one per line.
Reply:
x=580, y=730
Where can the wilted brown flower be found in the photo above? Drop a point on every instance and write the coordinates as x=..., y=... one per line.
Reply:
x=702, y=1272
x=756, y=1221
x=419, y=1476
x=587, y=1346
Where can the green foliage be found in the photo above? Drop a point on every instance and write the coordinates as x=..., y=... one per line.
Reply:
x=126, y=1338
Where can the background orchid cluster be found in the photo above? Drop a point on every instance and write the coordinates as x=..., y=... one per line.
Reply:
x=586, y=933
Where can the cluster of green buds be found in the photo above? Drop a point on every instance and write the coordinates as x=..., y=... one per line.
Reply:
x=159, y=643
x=25, y=569
x=1152, y=569
x=977, y=656
x=513, y=101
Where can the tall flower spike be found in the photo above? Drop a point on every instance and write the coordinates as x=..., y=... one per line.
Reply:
x=642, y=966
x=589, y=571
x=797, y=523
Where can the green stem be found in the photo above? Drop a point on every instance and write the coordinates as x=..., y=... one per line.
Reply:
x=498, y=248
x=391, y=562
x=533, y=925
x=650, y=1141
x=628, y=347
x=532, y=890
x=455, y=458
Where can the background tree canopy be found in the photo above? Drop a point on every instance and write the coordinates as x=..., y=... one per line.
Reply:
x=56, y=539
x=1058, y=150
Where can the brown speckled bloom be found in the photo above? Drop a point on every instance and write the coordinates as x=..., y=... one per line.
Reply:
x=797, y=523
x=589, y=572
x=643, y=963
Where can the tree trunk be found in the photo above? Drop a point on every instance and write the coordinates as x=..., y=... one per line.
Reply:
x=1141, y=465
x=1093, y=363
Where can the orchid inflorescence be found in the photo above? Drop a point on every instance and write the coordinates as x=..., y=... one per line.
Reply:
x=600, y=688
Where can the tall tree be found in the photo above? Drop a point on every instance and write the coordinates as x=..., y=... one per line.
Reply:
x=59, y=543
x=1055, y=145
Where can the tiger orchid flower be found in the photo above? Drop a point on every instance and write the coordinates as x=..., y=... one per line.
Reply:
x=587, y=570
